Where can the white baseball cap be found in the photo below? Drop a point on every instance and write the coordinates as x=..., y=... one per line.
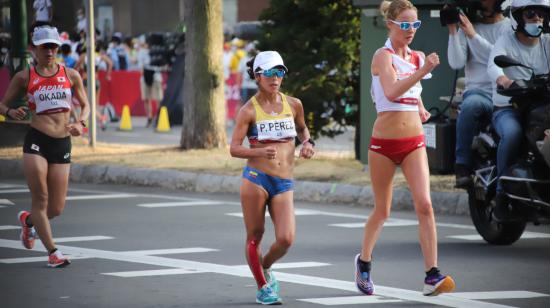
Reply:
x=268, y=59
x=44, y=35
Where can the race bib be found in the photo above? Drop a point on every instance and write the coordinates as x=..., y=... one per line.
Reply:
x=276, y=129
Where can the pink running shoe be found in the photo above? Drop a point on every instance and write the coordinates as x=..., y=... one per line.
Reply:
x=28, y=234
x=57, y=259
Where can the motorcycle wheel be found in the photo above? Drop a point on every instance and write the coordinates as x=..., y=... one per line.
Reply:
x=492, y=232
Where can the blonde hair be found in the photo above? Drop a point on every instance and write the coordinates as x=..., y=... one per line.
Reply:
x=390, y=9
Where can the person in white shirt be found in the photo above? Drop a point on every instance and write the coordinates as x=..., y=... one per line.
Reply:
x=43, y=10
x=469, y=47
x=529, y=46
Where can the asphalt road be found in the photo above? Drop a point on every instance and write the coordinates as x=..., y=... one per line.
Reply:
x=145, y=247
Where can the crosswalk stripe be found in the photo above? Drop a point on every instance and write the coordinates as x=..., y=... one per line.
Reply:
x=162, y=272
x=6, y=202
x=317, y=282
x=8, y=227
x=96, y=197
x=38, y=259
x=14, y=191
x=389, y=223
x=4, y=186
x=285, y=265
x=169, y=251
x=297, y=212
x=82, y=238
x=180, y=203
x=477, y=237
x=351, y=300
x=498, y=295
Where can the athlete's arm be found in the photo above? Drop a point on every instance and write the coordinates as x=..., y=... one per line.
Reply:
x=424, y=114
x=80, y=94
x=301, y=128
x=109, y=65
x=382, y=66
x=16, y=86
x=245, y=117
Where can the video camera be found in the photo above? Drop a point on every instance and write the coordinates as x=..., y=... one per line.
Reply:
x=450, y=12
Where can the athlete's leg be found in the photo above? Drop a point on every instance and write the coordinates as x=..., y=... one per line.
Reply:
x=253, y=200
x=58, y=182
x=35, y=168
x=381, y=170
x=281, y=210
x=416, y=171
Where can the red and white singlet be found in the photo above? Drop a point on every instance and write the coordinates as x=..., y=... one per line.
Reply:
x=50, y=94
x=403, y=69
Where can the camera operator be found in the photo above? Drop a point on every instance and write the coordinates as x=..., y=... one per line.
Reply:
x=529, y=46
x=469, y=46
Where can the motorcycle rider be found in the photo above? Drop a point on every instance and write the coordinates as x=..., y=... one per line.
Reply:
x=469, y=47
x=529, y=46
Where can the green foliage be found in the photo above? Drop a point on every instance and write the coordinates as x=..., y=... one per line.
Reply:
x=319, y=41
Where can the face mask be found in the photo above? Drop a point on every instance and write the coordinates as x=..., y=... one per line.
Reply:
x=533, y=29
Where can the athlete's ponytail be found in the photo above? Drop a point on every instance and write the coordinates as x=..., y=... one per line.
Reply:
x=390, y=9
x=250, y=66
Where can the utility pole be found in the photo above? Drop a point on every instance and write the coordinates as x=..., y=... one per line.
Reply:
x=19, y=42
x=90, y=54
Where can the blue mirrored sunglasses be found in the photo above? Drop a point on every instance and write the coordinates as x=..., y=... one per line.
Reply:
x=406, y=25
x=273, y=72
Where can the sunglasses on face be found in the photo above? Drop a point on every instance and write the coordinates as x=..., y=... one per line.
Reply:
x=531, y=13
x=273, y=72
x=406, y=25
x=49, y=46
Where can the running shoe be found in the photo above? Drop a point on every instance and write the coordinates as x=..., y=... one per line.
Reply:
x=57, y=259
x=362, y=279
x=437, y=284
x=267, y=296
x=28, y=234
x=271, y=280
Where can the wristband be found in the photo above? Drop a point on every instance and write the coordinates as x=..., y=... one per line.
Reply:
x=82, y=123
x=310, y=142
x=8, y=113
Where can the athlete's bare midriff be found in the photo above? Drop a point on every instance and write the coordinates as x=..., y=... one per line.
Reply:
x=397, y=124
x=281, y=166
x=53, y=125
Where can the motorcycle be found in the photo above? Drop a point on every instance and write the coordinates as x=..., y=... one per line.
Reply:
x=527, y=182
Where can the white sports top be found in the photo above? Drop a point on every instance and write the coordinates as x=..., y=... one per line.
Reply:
x=403, y=69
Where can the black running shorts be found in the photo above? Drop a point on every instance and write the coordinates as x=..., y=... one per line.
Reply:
x=54, y=150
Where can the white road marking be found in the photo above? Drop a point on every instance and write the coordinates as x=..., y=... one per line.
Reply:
x=283, y=265
x=477, y=237
x=392, y=222
x=6, y=202
x=498, y=295
x=103, y=196
x=169, y=251
x=38, y=259
x=403, y=294
x=180, y=203
x=8, y=227
x=297, y=212
x=4, y=186
x=2, y=206
x=14, y=191
x=82, y=238
x=350, y=300
x=163, y=272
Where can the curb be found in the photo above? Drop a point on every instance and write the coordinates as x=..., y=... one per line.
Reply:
x=443, y=202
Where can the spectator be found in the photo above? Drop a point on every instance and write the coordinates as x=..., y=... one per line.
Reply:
x=65, y=56
x=117, y=53
x=42, y=10
x=80, y=20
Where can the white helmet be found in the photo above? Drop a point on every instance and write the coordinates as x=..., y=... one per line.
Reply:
x=518, y=6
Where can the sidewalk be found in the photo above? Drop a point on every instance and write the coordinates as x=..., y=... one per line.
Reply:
x=336, y=193
x=338, y=179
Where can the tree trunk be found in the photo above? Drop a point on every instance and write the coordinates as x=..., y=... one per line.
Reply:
x=203, y=124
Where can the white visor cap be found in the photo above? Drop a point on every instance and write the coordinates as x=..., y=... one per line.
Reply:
x=268, y=59
x=44, y=35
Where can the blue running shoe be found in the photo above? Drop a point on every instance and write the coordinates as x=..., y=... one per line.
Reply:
x=271, y=280
x=267, y=296
x=362, y=279
x=437, y=284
